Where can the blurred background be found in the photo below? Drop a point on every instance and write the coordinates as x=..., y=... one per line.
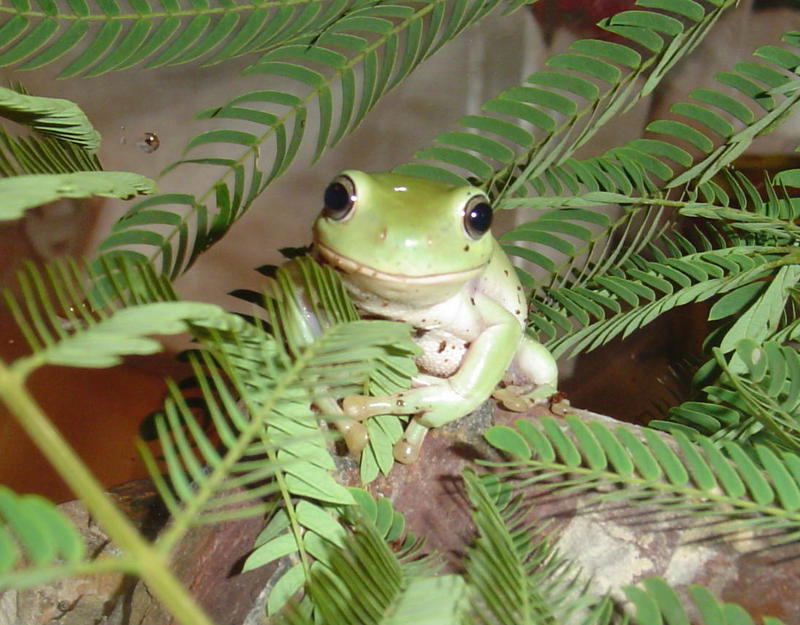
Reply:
x=136, y=109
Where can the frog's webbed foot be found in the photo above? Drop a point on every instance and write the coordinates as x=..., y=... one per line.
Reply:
x=521, y=398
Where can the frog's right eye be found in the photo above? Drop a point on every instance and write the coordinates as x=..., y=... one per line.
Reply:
x=340, y=197
x=477, y=216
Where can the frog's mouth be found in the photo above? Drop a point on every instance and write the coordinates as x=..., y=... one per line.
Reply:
x=350, y=266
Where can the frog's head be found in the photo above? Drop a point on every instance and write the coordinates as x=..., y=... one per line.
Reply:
x=404, y=238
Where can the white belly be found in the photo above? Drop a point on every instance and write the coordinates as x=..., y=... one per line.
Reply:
x=443, y=331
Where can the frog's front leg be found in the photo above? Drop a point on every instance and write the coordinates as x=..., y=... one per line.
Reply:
x=481, y=369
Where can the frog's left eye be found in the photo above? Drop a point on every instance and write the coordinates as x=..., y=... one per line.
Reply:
x=477, y=217
x=340, y=197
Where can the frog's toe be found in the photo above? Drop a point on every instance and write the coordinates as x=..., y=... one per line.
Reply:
x=521, y=398
x=543, y=394
x=560, y=405
x=515, y=404
x=354, y=434
x=513, y=398
x=405, y=451
x=360, y=407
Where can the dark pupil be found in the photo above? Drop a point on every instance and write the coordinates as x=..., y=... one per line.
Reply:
x=337, y=197
x=480, y=217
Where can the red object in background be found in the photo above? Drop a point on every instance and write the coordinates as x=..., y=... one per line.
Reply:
x=579, y=16
x=97, y=410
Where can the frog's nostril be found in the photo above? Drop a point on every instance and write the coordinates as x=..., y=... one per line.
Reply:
x=382, y=235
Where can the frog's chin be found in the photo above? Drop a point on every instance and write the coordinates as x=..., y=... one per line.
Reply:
x=397, y=286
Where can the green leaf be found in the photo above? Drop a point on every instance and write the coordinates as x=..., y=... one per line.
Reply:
x=758, y=486
x=507, y=440
x=20, y=193
x=534, y=437
x=655, y=603
x=734, y=302
x=167, y=34
x=53, y=116
x=316, y=519
x=319, y=48
x=37, y=542
x=364, y=580
x=785, y=485
x=589, y=446
x=518, y=577
x=124, y=332
x=788, y=177
x=762, y=317
x=437, y=600
x=285, y=588
x=270, y=551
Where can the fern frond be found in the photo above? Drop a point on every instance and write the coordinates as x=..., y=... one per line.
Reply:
x=757, y=400
x=638, y=174
x=39, y=544
x=42, y=155
x=655, y=601
x=258, y=388
x=760, y=311
x=765, y=86
x=19, y=193
x=518, y=576
x=58, y=161
x=275, y=392
x=304, y=288
x=694, y=479
x=582, y=243
x=386, y=41
x=566, y=104
x=637, y=292
x=323, y=534
x=752, y=271
x=208, y=484
x=140, y=558
x=717, y=125
x=52, y=313
x=55, y=117
x=109, y=36
x=364, y=581
x=745, y=215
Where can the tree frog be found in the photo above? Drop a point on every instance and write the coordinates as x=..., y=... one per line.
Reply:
x=414, y=250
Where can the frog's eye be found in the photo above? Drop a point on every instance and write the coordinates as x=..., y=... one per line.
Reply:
x=340, y=197
x=477, y=217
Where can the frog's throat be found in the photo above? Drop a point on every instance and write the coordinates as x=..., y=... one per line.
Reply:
x=348, y=265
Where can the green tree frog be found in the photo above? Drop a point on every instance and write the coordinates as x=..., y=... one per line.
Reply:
x=419, y=251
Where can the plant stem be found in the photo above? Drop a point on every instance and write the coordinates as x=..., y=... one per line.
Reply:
x=150, y=565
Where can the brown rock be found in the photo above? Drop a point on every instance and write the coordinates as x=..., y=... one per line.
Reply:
x=615, y=544
x=75, y=600
x=208, y=562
